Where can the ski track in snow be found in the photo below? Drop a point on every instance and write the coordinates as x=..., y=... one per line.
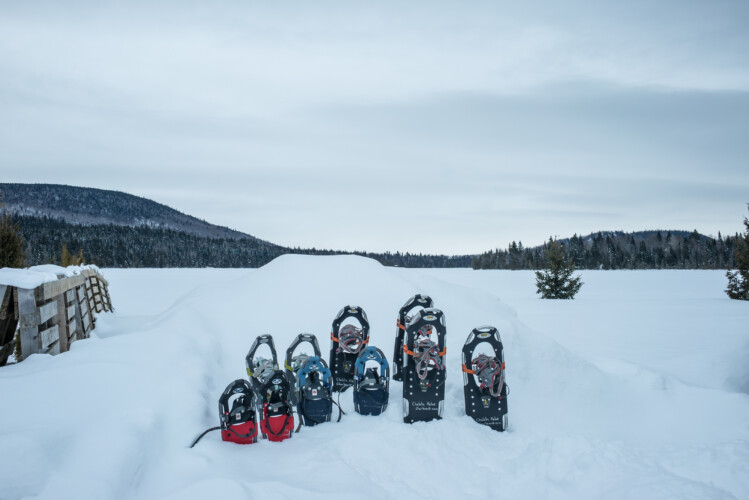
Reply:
x=636, y=389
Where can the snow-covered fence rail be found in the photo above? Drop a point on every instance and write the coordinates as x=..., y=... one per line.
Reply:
x=52, y=315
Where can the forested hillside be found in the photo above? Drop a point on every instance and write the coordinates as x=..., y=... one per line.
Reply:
x=620, y=250
x=109, y=245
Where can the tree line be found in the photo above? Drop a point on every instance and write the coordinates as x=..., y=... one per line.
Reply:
x=109, y=245
x=620, y=250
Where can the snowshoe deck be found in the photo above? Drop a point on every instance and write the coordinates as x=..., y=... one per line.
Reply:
x=418, y=300
x=424, y=367
x=345, y=343
x=484, y=379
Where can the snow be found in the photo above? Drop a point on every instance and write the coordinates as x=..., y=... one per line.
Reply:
x=32, y=277
x=635, y=389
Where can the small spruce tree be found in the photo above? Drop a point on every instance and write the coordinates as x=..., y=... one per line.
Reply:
x=738, y=281
x=12, y=253
x=556, y=281
x=68, y=259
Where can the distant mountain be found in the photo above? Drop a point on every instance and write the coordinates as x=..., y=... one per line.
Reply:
x=115, y=229
x=89, y=206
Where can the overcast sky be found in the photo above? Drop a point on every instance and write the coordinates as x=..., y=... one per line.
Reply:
x=415, y=126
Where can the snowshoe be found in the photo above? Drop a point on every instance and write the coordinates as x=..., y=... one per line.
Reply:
x=277, y=411
x=294, y=363
x=346, y=340
x=261, y=369
x=238, y=424
x=371, y=384
x=484, y=379
x=404, y=315
x=424, y=367
x=315, y=404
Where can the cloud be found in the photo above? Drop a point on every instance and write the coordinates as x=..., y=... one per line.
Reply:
x=489, y=121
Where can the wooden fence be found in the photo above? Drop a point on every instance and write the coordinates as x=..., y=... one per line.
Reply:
x=51, y=316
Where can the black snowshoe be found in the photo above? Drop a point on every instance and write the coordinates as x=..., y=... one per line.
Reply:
x=371, y=383
x=346, y=340
x=424, y=367
x=294, y=363
x=238, y=424
x=404, y=315
x=484, y=379
x=315, y=403
x=238, y=421
x=277, y=414
x=259, y=369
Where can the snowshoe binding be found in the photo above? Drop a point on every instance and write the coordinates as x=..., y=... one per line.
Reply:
x=315, y=404
x=484, y=379
x=346, y=340
x=294, y=363
x=259, y=369
x=404, y=316
x=277, y=411
x=371, y=383
x=424, y=367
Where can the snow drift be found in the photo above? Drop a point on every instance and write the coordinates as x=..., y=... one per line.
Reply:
x=114, y=417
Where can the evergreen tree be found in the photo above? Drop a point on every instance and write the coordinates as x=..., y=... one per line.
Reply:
x=738, y=281
x=556, y=281
x=12, y=253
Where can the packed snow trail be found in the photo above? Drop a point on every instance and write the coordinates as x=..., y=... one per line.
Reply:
x=114, y=417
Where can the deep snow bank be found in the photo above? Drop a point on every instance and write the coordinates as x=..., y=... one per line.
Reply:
x=113, y=417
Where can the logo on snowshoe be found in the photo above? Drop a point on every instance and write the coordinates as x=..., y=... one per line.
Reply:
x=430, y=317
x=354, y=311
x=484, y=335
x=238, y=390
x=276, y=381
x=485, y=401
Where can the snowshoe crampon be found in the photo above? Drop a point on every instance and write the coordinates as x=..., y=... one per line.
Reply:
x=277, y=412
x=346, y=340
x=371, y=382
x=315, y=404
x=484, y=378
x=404, y=315
x=260, y=369
x=424, y=366
x=294, y=363
x=236, y=409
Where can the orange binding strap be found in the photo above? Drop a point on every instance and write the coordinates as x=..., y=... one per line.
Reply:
x=465, y=369
x=398, y=323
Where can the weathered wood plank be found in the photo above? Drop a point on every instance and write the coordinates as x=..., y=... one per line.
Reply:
x=70, y=295
x=47, y=311
x=61, y=321
x=71, y=311
x=72, y=329
x=54, y=288
x=78, y=332
x=87, y=322
x=50, y=336
x=27, y=318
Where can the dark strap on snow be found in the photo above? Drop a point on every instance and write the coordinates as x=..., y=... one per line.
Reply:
x=203, y=434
